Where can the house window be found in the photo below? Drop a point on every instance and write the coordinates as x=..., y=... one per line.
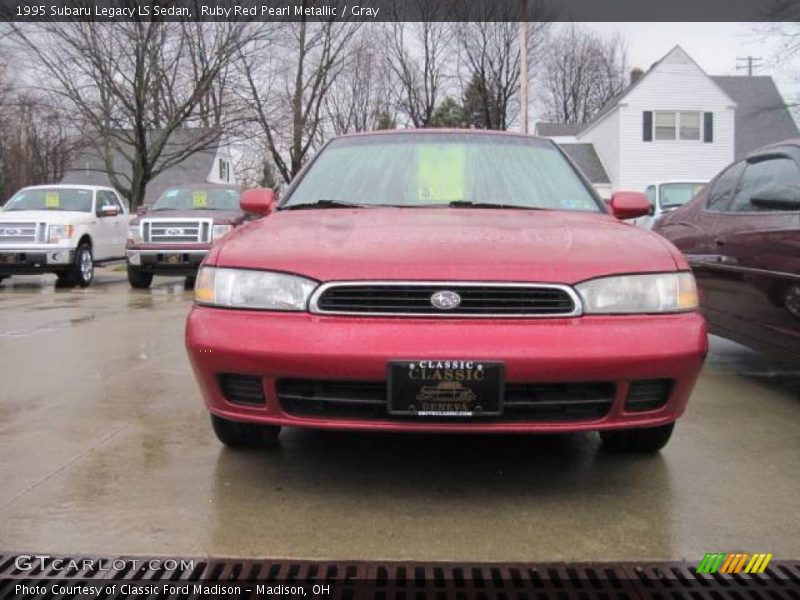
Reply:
x=224, y=170
x=674, y=125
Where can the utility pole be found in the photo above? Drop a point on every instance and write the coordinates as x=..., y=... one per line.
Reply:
x=749, y=63
x=523, y=65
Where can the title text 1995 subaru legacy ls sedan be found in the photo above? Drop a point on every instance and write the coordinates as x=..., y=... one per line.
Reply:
x=445, y=281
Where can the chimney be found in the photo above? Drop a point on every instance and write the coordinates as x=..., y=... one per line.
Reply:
x=636, y=73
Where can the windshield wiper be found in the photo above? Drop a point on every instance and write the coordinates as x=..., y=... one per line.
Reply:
x=324, y=203
x=472, y=204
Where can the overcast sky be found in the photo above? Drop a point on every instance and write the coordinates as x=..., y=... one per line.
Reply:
x=715, y=47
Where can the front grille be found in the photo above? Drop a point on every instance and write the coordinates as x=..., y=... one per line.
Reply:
x=176, y=231
x=242, y=389
x=531, y=402
x=648, y=394
x=415, y=298
x=15, y=233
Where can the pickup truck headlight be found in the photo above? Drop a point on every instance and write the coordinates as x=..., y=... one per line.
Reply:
x=219, y=230
x=650, y=293
x=57, y=233
x=242, y=288
x=135, y=234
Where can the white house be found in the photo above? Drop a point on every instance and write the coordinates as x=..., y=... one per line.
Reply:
x=675, y=122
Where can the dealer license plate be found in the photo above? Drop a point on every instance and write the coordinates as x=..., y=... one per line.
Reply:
x=445, y=388
x=173, y=259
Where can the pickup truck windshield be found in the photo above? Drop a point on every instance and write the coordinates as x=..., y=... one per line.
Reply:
x=191, y=198
x=62, y=199
x=443, y=170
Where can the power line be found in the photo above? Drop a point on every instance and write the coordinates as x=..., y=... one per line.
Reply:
x=749, y=63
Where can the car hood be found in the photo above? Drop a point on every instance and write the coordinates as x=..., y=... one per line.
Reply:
x=57, y=217
x=446, y=244
x=219, y=216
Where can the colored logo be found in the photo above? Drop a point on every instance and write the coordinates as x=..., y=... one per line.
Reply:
x=735, y=562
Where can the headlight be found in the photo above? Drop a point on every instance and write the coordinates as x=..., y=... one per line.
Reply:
x=57, y=233
x=219, y=230
x=240, y=288
x=651, y=293
x=135, y=234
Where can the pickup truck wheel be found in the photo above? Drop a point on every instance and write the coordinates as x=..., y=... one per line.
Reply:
x=139, y=279
x=188, y=283
x=244, y=435
x=646, y=440
x=81, y=272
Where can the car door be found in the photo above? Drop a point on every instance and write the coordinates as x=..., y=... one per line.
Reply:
x=758, y=266
x=107, y=227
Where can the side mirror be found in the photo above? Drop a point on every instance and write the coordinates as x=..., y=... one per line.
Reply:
x=259, y=201
x=629, y=205
x=778, y=197
x=109, y=211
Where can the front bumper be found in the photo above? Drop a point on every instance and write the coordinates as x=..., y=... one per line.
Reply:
x=160, y=260
x=15, y=261
x=302, y=346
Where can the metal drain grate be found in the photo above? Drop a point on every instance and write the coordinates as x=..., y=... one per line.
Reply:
x=168, y=578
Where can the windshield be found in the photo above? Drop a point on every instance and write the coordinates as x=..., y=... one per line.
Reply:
x=678, y=194
x=197, y=198
x=61, y=199
x=439, y=169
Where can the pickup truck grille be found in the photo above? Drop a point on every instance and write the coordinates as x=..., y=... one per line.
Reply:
x=15, y=233
x=176, y=231
x=473, y=299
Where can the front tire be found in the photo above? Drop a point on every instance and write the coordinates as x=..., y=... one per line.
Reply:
x=139, y=280
x=235, y=434
x=646, y=440
x=81, y=272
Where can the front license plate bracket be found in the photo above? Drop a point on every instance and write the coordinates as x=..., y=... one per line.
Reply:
x=445, y=389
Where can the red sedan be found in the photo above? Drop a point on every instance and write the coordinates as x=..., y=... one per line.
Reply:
x=445, y=281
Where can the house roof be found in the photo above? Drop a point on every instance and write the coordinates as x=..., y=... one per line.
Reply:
x=587, y=160
x=555, y=129
x=88, y=167
x=761, y=114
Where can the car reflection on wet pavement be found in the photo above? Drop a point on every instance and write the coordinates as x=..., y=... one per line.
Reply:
x=105, y=447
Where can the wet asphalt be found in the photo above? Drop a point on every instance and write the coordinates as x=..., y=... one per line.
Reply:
x=105, y=447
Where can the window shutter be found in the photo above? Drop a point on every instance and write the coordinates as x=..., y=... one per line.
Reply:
x=708, y=127
x=647, y=126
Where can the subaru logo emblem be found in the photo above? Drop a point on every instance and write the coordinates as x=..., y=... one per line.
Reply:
x=10, y=231
x=445, y=300
x=174, y=231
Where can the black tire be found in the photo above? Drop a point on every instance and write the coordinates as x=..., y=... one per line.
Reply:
x=188, y=283
x=81, y=272
x=235, y=434
x=645, y=440
x=139, y=280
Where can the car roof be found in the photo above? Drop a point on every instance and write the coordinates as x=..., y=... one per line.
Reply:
x=443, y=130
x=68, y=186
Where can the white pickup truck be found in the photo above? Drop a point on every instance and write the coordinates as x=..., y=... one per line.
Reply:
x=62, y=229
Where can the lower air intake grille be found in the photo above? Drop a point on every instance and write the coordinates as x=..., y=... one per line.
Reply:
x=242, y=389
x=463, y=299
x=534, y=402
x=648, y=394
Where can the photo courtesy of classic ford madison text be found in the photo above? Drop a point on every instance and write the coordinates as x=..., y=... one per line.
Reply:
x=425, y=300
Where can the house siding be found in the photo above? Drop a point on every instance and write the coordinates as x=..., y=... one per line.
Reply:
x=605, y=136
x=675, y=83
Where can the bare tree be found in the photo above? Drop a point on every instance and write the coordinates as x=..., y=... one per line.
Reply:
x=419, y=57
x=135, y=84
x=582, y=71
x=489, y=47
x=287, y=81
x=360, y=98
